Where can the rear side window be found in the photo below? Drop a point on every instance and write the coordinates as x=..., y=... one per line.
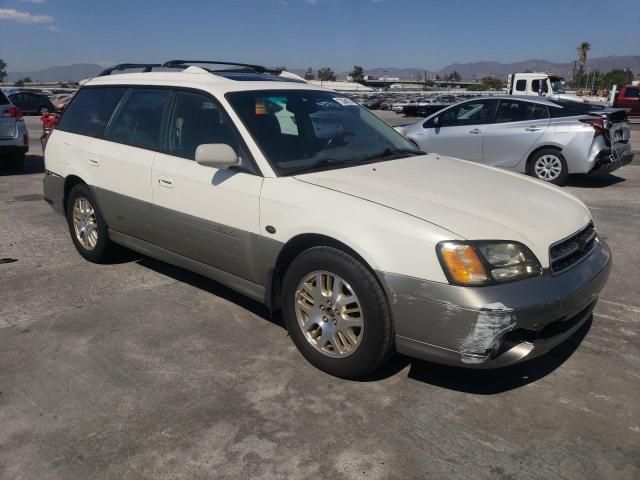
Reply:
x=537, y=84
x=137, y=122
x=521, y=85
x=90, y=111
x=567, y=108
x=3, y=99
x=631, y=92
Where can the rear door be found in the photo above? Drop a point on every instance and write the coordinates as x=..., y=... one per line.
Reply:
x=517, y=126
x=123, y=158
x=460, y=129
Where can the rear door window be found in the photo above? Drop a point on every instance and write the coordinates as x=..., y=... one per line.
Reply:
x=138, y=120
x=90, y=111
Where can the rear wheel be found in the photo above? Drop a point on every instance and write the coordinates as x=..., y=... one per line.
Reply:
x=43, y=110
x=14, y=161
x=550, y=166
x=336, y=312
x=87, y=226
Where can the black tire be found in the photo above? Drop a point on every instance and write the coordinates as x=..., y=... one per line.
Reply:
x=104, y=250
x=549, y=152
x=377, y=337
x=14, y=161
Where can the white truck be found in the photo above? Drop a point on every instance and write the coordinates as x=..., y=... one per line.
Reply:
x=537, y=84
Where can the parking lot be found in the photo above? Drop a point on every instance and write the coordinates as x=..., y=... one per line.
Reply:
x=142, y=370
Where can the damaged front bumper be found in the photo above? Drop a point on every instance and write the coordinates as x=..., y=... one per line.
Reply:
x=494, y=326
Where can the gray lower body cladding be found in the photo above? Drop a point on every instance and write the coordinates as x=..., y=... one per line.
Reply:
x=487, y=327
x=53, y=191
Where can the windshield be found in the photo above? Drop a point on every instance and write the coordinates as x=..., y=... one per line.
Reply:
x=558, y=85
x=302, y=130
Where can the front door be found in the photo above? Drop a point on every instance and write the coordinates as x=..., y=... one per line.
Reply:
x=207, y=214
x=459, y=131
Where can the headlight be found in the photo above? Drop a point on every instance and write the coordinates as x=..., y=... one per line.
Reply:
x=486, y=262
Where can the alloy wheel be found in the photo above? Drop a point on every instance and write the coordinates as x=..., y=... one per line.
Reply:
x=329, y=314
x=548, y=167
x=85, y=224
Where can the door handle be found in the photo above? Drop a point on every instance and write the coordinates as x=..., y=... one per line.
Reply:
x=165, y=182
x=93, y=162
x=475, y=131
x=532, y=129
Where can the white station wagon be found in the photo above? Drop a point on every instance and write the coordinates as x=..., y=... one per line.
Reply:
x=299, y=198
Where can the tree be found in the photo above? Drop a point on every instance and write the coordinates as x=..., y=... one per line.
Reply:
x=357, y=74
x=582, y=55
x=326, y=75
x=22, y=81
x=487, y=83
x=3, y=70
x=615, y=77
x=308, y=75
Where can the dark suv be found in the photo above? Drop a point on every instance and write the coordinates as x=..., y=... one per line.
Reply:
x=32, y=103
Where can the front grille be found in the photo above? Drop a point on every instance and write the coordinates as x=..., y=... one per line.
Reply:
x=568, y=252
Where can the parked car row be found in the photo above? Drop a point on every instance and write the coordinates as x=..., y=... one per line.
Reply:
x=37, y=101
x=14, y=137
x=302, y=199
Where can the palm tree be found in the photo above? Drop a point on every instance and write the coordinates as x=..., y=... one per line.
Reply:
x=582, y=54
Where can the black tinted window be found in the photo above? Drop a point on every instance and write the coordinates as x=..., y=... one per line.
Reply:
x=195, y=120
x=469, y=113
x=3, y=99
x=518, y=111
x=537, y=84
x=138, y=121
x=567, y=108
x=521, y=85
x=632, y=92
x=90, y=111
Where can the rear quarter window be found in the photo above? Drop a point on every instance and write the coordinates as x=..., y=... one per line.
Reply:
x=3, y=99
x=90, y=110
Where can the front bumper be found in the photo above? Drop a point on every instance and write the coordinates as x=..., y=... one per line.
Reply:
x=494, y=326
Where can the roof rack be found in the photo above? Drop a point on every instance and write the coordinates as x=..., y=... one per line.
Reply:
x=147, y=67
x=246, y=66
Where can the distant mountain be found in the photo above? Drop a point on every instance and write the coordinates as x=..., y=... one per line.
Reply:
x=501, y=70
x=68, y=73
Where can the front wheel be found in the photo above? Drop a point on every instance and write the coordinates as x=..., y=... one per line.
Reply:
x=336, y=313
x=550, y=166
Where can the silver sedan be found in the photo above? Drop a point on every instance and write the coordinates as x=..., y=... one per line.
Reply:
x=543, y=137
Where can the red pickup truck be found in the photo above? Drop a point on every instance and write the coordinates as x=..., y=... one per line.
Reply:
x=628, y=97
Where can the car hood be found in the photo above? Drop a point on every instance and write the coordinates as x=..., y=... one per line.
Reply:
x=472, y=201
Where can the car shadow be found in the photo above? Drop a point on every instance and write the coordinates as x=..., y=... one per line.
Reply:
x=32, y=164
x=593, y=180
x=467, y=380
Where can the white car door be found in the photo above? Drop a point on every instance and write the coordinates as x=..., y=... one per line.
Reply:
x=206, y=214
x=123, y=157
x=458, y=130
x=517, y=126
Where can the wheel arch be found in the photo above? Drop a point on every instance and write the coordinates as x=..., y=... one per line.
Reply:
x=532, y=154
x=70, y=182
x=294, y=247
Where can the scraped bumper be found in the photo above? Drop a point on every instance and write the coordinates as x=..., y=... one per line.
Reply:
x=494, y=326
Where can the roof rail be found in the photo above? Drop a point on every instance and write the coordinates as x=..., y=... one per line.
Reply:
x=147, y=67
x=184, y=63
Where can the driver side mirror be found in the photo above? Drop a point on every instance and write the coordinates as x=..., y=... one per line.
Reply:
x=217, y=155
x=435, y=121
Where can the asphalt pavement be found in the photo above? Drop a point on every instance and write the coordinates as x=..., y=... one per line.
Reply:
x=138, y=369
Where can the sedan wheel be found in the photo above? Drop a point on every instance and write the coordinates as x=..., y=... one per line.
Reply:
x=329, y=314
x=548, y=167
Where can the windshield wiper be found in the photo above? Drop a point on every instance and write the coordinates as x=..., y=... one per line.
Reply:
x=390, y=152
x=325, y=162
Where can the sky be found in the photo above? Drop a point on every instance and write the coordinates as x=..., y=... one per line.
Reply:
x=35, y=34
